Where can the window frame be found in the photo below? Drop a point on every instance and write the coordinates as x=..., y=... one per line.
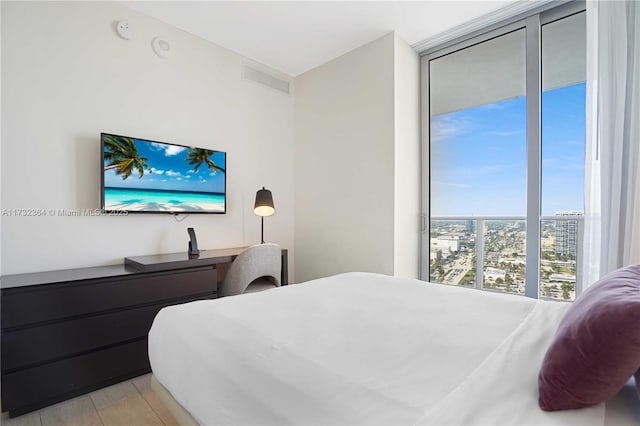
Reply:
x=532, y=22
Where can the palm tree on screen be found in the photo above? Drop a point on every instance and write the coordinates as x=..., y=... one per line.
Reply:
x=197, y=156
x=123, y=156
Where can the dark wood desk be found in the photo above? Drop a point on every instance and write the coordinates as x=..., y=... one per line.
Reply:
x=69, y=332
x=218, y=257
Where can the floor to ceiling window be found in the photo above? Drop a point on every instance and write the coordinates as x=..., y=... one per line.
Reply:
x=504, y=158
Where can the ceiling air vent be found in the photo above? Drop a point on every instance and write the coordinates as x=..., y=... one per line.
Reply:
x=253, y=74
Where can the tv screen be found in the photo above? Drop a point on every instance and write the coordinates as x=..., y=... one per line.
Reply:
x=140, y=175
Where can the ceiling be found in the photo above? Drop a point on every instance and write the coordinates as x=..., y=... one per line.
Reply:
x=296, y=36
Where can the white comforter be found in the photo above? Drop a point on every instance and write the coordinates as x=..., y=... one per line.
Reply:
x=360, y=349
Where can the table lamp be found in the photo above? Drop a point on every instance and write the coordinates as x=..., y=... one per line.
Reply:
x=263, y=207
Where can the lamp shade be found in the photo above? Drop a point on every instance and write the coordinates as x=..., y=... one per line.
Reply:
x=264, y=203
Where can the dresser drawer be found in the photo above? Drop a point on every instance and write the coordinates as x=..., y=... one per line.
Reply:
x=36, y=387
x=24, y=306
x=50, y=342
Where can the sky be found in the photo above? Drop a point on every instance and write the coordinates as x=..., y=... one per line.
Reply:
x=169, y=170
x=478, y=157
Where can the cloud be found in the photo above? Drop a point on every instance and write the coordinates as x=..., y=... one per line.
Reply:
x=562, y=163
x=179, y=178
x=496, y=168
x=156, y=171
x=506, y=133
x=171, y=173
x=188, y=176
x=446, y=126
x=452, y=184
x=169, y=150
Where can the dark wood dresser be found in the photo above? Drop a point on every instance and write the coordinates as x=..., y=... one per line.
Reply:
x=65, y=333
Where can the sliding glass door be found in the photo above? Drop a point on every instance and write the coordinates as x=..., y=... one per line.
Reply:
x=504, y=158
x=478, y=162
x=563, y=152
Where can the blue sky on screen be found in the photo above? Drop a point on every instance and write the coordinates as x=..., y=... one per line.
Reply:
x=169, y=170
x=478, y=157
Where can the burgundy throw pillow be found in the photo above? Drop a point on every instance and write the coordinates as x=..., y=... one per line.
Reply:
x=597, y=345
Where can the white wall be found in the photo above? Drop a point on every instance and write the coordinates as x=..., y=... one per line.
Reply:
x=406, y=262
x=344, y=162
x=66, y=77
x=357, y=163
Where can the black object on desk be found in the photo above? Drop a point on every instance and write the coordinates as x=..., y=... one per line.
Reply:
x=193, y=243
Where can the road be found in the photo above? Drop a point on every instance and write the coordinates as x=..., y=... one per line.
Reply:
x=459, y=269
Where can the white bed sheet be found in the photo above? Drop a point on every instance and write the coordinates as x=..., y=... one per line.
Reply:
x=360, y=349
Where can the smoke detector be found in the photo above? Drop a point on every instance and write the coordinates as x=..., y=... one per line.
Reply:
x=124, y=30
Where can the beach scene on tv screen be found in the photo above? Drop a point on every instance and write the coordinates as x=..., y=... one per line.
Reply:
x=148, y=176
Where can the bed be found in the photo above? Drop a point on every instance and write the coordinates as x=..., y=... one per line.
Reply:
x=363, y=349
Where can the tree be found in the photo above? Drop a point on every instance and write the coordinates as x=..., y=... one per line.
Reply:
x=468, y=278
x=566, y=288
x=547, y=255
x=197, y=156
x=123, y=156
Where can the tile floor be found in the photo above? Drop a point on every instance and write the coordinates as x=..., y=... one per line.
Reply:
x=130, y=403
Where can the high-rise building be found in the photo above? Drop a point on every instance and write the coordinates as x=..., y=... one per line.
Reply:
x=567, y=233
x=445, y=243
x=471, y=225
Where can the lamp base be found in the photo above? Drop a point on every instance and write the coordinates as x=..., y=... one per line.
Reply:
x=193, y=253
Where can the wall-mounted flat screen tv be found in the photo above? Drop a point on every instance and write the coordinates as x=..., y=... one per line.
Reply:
x=145, y=176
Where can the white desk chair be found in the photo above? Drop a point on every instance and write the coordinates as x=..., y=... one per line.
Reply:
x=256, y=268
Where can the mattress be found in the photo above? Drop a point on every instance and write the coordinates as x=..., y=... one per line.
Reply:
x=360, y=348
